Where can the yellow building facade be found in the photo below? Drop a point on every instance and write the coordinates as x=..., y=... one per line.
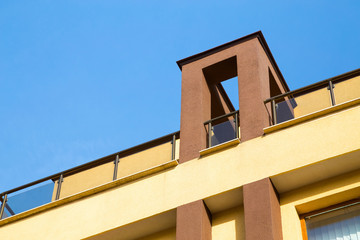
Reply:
x=281, y=165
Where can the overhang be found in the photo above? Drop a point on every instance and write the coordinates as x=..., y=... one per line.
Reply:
x=222, y=47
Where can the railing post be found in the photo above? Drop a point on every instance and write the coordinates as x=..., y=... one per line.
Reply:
x=273, y=110
x=3, y=206
x=209, y=133
x=332, y=96
x=61, y=179
x=116, y=167
x=173, y=147
x=236, y=125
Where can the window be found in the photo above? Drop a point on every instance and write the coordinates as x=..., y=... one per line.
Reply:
x=338, y=223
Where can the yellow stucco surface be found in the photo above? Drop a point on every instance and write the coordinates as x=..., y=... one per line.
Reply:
x=320, y=99
x=312, y=102
x=145, y=159
x=169, y=234
x=86, y=179
x=313, y=197
x=229, y=224
x=104, y=173
x=347, y=90
x=299, y=145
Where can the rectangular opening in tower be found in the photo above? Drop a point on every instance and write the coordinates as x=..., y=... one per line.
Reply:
x=222, y=81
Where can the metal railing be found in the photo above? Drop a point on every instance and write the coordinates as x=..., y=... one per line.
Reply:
x=221, y=129
x=289, y=99
x=33, y=191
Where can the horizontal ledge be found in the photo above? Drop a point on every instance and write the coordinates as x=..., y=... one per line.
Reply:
x=310, y=116
x=218, y=147
x=89, y=192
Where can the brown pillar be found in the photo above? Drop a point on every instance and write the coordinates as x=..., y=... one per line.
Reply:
x=262, y=211
x=195, y=110
x=193, y=221
x=254, y=88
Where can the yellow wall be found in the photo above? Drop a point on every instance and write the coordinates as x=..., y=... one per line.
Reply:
x=347, y=90
x=87, y=179
x=314, y=197
x=312, y=102
x=145, y=159
x=169, y=234
x=201, y=178
x=229, y=224
x=104, y=173
x=320, y=99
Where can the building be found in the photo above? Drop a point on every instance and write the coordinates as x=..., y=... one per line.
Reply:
x=281, y=165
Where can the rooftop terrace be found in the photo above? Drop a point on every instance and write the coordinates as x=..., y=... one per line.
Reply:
x=293, y=107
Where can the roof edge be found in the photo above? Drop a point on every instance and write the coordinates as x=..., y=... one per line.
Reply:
x=214, y=50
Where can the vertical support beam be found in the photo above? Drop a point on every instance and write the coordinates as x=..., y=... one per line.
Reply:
x=3, y=206
x=61, y=179
x=173, y=149
x=332, y=96
x=262, y=211
x=209, y=134
x=254, y=88
x=195, y=110
x=273, y=110
x=116, y=167
x=237, y=125
x=193, y=221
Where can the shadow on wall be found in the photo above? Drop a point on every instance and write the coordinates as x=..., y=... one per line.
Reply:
x=229, y=224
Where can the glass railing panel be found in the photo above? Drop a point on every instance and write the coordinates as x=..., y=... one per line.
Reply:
x=145, y=159
x=291, y=107
x=285, y=109
x=223, y=131
x=6, y=212
x=28, y=198
x=347, y=90
x=87, y=179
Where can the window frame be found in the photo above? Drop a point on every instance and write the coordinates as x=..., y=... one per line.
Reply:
x=324, y=211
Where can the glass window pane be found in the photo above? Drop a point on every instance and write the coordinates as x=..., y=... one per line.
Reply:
x=339, y=224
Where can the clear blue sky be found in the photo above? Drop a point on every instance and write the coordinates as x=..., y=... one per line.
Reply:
x=81, y=79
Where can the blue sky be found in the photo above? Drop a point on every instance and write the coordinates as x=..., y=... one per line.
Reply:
x=83, y=79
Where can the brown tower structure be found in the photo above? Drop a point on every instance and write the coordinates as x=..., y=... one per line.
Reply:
x=259, y=78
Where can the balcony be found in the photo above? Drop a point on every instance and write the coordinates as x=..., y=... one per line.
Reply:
x=222, y=129
x=315, y=100
x=94, y=176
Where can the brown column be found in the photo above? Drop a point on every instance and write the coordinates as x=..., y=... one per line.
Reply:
x=254, y=88
x=193, y=222
x=195, y=110
x=262, y=211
